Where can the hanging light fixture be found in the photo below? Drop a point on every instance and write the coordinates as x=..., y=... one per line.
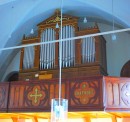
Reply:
x=57, y=25
x=59, y=106
x=113, y=36
x=32, y=31
x=85, y=20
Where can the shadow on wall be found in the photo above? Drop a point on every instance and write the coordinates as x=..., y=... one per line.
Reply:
x=13, y=76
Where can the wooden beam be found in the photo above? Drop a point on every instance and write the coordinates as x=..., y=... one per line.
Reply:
x=34, y=119
x=114, y=119
x=14, y=119
x=87, y=119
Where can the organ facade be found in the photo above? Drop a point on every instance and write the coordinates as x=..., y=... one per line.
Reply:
x=79, y=57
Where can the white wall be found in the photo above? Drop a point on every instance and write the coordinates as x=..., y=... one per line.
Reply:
x=14, y=66
x=118, y=51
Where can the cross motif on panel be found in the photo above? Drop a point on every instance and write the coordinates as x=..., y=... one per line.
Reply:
x=36, y=96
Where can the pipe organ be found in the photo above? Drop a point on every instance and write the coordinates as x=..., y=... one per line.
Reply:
x=81, y=57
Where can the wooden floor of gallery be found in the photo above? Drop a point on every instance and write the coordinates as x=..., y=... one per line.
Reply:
x=72, y=117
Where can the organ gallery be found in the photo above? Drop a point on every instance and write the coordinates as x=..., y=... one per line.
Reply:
x=84, y=71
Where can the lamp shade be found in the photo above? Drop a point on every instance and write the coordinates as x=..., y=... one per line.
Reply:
x=59, y=110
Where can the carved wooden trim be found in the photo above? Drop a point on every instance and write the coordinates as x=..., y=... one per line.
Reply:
x=78, y=52
x=21, y=59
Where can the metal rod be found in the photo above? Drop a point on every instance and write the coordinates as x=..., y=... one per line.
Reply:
x=60, y=56
x=63, y=47
x=50, y=48
x=67, y=39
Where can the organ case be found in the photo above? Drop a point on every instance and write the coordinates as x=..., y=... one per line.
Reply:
x=81, y=57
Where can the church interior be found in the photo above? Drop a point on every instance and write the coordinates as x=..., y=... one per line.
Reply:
x=74, y=50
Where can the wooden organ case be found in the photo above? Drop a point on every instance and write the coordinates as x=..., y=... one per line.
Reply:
x=81, y=57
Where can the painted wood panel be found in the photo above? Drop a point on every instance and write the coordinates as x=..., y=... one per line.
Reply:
x=86, y=94
x=117, y=93
x=33, y=95
x=82, y=93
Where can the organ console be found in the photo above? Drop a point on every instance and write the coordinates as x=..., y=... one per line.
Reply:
x=81, y=57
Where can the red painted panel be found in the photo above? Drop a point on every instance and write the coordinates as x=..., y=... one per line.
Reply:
x=33, y=95
x=86, y=94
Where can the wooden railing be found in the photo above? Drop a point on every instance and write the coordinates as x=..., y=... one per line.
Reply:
x=84, y=94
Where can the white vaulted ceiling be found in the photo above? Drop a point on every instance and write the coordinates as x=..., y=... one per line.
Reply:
x=18, y=17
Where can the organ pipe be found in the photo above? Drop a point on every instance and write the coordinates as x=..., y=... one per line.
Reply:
x=88, y=50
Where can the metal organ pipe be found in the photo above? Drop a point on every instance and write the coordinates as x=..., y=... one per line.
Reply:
x=93, y=54
x=50, y=48
x=41, y=51
x=53, y=61
x=47, y=52
x=89, y=45
x=72, y=47
x=29, y=56
x=91, y=60
x=88, y=50
x=45, y=58
x=68, y=47
x=28, y=61
x=90, y=57
x=25, y=62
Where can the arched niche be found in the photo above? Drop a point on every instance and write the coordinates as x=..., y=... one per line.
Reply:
x=125, y=71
